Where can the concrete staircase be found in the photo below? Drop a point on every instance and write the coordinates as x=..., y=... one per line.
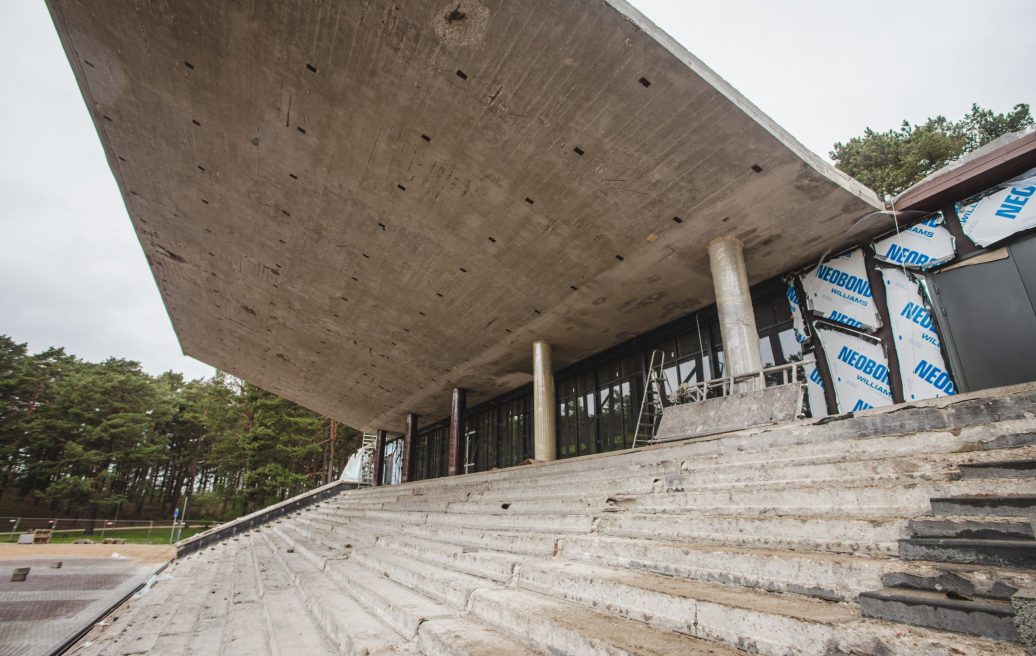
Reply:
x=896, y=532
x=986, y=550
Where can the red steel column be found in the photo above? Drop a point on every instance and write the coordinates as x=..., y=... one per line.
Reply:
x=456, y=451
x=408, y=444
x=379, y=457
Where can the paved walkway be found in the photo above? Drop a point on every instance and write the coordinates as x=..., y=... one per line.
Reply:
x=55, y=602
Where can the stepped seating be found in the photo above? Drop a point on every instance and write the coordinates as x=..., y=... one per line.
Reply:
x=895, y=533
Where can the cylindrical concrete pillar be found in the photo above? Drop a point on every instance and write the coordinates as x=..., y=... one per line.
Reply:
x=544, y=437
x=456, y=449
x=736, y=315
x=409, y=440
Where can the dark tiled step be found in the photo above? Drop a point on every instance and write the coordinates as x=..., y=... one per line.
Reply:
x=934, y=610
x=999, y=469
x=957, y=580
x=976, y=528
x=997, y=553
x=999, y=505
x=1011, y=441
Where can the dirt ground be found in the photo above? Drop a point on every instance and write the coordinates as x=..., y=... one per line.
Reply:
x=145, y=553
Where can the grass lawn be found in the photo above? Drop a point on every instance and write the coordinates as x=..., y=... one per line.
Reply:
x=159, y=535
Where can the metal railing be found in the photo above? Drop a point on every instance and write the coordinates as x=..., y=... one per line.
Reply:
x=782, y=374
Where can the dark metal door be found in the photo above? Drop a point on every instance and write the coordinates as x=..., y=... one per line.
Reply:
x=987, y=313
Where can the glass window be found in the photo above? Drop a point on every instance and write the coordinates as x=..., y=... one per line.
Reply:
x=688, y=344
x=766, y=350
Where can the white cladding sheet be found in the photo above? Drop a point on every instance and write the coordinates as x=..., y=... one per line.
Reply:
x=838, y=291
x=921, y=246
x=859, y=370
x=798, y=325
x=1000, y=212
x=815, y=390
x=921, y=365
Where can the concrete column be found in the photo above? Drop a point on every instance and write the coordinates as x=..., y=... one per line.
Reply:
x=409, y=435
x=544, y=435
x=736, y=315
x=456, y=451
x=379, y=458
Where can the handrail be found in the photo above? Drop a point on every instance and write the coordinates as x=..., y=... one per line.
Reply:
x=699, y=391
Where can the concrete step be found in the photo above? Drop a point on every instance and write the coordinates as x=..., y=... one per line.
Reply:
x=862, y=533
x=863, y=495
x=964, y=580
x=1007, y=503
x=337, y=533
x=167, y=617
x=576, y=504
x=878, y=535
x=521, y=542
x=974, y=527
x=346, y=623
x=756, y=621
x=245, y=630
x=731, y=466
x=822, y=446
x=764, y=623
x=422, y=505
x=395, y=605
x=982, y=617
x=316, y=553
x=996, y=553
x=290, y=630
x=910, y=456
x=901, y=455
x=830, y=576
x=1000, y=469
x=557, y=627
x=319, y=533
x=889, y=498
x=463, y=637
x=822, y=575
x=448, y=587
x=838, y=437
x=488, y=565
x=515, y=542
x=515, y=522
x=436, y=545
x=886, y=498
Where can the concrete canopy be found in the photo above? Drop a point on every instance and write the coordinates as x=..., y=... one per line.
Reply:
x=359, y=205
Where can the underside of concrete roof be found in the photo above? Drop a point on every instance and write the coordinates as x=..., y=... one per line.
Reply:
x=360, y=205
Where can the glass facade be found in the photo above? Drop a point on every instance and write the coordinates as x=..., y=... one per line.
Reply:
x=599, y=398
x=499, y=433
x=597, y=409
x=430, y=457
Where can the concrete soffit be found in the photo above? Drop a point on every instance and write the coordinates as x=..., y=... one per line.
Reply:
x=445, y=210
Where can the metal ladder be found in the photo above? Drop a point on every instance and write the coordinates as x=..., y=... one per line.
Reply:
x=655, y=391
x=367, y=445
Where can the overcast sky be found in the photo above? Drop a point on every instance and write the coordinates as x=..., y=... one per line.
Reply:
x=72, y=273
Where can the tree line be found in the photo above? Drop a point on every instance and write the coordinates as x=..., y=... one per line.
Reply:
x=890, y=162
x=88, y=439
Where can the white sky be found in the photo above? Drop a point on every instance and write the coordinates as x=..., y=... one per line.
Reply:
x=72, y=273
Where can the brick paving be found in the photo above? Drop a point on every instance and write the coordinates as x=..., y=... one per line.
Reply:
x=52, y=604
